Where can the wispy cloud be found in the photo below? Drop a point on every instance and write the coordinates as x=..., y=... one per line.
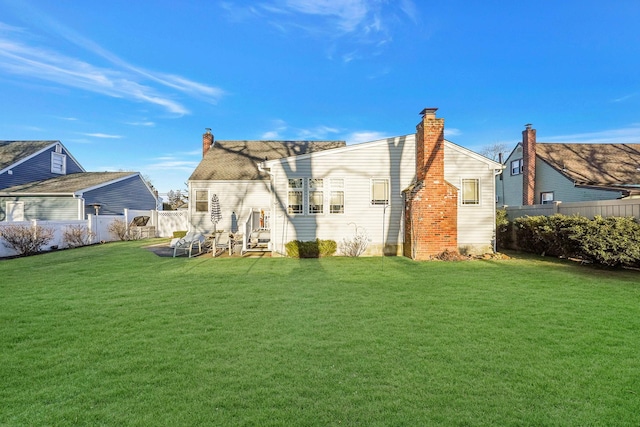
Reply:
x=123, y=80
x=172, y=163
x=626, y=135
x=281, y=130
x=624, y=98
x=448, y=132
x=144, y=123
x=102, y=135
x=351, y=22
x=364, y=136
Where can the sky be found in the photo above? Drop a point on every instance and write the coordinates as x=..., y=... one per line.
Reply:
x=132, y=85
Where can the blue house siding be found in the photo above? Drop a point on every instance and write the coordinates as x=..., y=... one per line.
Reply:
x=38, y=168
x=131, y=193
x=48, y=208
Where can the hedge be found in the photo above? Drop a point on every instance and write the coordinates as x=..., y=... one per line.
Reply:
x=611, y=241
x=311, y=249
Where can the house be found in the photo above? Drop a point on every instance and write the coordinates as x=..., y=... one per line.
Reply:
x=415, y=194
x=42, y=180
x=541, y=173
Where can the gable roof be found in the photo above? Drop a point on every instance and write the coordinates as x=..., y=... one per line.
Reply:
x=604, y=165
x=74, y=183
x=12, y=152
x=238, y=160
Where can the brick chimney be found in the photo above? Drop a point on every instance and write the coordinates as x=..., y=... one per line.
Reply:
x=431, y=204
x=528, y=165
x=207, y=141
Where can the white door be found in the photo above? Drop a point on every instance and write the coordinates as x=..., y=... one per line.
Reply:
x=15, y=211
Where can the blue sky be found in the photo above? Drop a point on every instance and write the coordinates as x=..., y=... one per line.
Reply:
x=132, y=85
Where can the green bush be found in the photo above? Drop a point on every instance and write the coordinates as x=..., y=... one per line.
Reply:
x=503, y=230
x=311, y=249
x=611, y=241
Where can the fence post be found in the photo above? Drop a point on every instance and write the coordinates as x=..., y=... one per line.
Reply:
x=556, y=207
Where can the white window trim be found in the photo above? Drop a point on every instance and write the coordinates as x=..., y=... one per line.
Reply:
x=296, y=190
x=520, y=166
x=371, y=181
x=543, y=193
x=333, y=187
x=479, y=190
x=63, y=163
x=195, y=200
x=314, y=190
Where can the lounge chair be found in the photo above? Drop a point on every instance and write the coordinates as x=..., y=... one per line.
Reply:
x=187, y=243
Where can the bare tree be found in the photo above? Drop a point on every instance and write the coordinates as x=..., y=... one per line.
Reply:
x=493, y=151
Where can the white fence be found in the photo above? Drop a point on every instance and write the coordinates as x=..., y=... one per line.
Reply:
x=162, y=224
x=604, y=208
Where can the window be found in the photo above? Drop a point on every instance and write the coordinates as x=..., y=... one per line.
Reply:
x=336, y=204
x=470, y=191
x=546, y=197
x=202, y=201
x=316, y=195
x=516, y=167
x=58, y=163
x=380, y=191
x=295, y=196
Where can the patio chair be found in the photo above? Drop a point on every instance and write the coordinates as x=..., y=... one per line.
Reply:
x=221, y=244
x=187, y=243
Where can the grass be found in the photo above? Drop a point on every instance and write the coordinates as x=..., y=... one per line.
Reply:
x=114, y=335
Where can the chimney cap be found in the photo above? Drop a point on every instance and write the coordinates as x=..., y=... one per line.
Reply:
x=528, y=126
x=428, y=112
x=208, y=130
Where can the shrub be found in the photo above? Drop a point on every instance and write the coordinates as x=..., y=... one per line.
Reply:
x=119, y=228
x=356, y=245
x=611, y=241
x=311, y=249
x=503, y=229
x=77, y=235
x=179, y=234
x=26, y=240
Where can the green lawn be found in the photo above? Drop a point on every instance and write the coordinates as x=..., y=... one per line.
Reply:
x=114, y=335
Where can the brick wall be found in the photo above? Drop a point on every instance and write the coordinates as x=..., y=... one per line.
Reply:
x=431, y=215
x=528, y=166
x=207, y=141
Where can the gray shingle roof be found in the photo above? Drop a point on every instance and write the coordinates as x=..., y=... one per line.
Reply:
x=13, y=151
x=594, y=164
x=66, y=184
x=237, y=160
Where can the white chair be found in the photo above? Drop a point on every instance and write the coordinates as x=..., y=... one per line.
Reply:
x=221, y=244
x=187, y=243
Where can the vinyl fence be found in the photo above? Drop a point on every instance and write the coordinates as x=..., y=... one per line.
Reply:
x=604, y=208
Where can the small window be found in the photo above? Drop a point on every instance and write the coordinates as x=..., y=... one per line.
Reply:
x=516, y=167
x=316, y=195
x=202, y=200
x=470, y=191
x=58, y=163
x=546, y=197
x=295, y=196
x=336, y=204
x=380, y=191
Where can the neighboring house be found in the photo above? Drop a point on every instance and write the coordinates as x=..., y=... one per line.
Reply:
x=416, y=194
x=541, y=173
x=41, y=180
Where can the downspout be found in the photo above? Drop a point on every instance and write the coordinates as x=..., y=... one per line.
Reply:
x=496, y=172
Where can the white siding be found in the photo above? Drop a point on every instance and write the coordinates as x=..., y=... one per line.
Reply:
x=235, y=196
x=476, y=223
x=357, y=165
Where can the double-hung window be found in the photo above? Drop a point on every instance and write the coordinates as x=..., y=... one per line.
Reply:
x=546, y=197
x=316, y=195
x=295, y=196
x=380, y=191
x=471, y=191
x=202, y=200
x=516, y=167
x=336, y=203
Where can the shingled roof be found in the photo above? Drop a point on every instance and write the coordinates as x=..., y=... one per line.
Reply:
x=238, y=160
x=14, y=151
x=601, y=165
x=68, y=184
